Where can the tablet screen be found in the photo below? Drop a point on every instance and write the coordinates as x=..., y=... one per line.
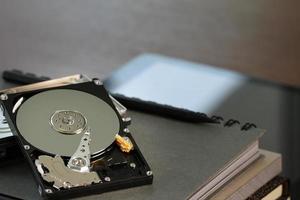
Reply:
x=174, y=82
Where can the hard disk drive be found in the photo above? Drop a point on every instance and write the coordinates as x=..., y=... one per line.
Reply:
x=75, y=137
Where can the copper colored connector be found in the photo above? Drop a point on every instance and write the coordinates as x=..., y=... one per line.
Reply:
x=124, y=143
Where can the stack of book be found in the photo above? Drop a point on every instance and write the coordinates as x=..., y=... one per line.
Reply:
x=260, y=180
x=249, y=173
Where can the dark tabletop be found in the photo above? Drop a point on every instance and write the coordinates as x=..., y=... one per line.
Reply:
x=94, y=37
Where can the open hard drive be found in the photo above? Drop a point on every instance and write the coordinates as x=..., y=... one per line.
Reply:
x=75, y=137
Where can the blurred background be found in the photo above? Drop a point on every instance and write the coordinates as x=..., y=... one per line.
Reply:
x=259, y=39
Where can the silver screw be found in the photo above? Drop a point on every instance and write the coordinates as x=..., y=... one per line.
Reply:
x=3, y=97
x=26, y=147
x=133, y=165
x=48, y=191
x=149, y=173
x=126, y=119
x=97, y=82
x=107, y=179
x=126, y=130
x=67, y=184
x=126, y=139
x=80, y=162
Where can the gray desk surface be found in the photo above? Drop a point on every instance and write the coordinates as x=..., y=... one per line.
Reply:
x=67, y=37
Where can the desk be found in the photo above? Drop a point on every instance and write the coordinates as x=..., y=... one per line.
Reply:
x=92, y=37
x=269, y=106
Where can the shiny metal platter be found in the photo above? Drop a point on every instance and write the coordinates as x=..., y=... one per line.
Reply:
x=53, y=121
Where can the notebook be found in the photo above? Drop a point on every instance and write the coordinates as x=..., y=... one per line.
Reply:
x=186, y=158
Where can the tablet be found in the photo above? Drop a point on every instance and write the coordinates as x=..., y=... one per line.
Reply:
x=172, y=83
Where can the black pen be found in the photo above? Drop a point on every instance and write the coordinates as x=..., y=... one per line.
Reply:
x=19, y=77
